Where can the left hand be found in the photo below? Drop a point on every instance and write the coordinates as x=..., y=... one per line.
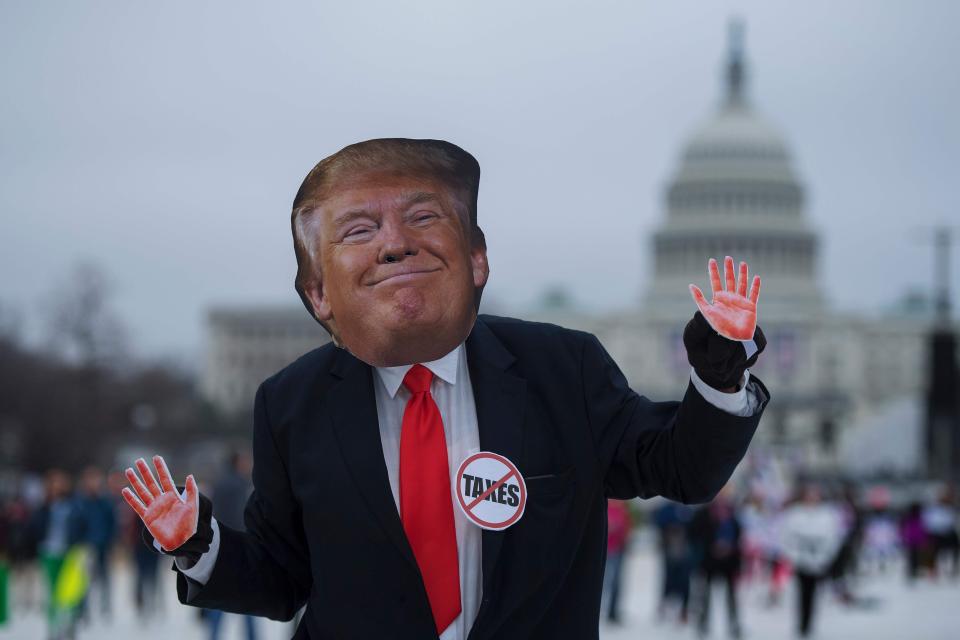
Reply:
x=719, y=361
x=731, y=312
x=718, y=335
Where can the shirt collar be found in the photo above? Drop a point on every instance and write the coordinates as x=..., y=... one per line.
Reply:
x=444, y=368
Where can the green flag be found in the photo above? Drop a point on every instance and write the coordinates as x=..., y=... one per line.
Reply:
x=4, y=590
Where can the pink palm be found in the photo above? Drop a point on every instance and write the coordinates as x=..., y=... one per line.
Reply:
x=170, y=519
x=731, y=312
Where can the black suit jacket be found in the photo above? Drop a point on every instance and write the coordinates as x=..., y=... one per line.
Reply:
x=322, y=528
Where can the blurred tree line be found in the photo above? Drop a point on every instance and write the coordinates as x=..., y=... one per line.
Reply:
x=80, y=397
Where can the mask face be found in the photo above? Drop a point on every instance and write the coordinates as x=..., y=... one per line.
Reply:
x=397, y=266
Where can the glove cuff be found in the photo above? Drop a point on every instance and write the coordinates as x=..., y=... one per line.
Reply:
x=197, y=544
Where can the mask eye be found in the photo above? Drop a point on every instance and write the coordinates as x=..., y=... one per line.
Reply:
x=423, y=216
x=356, y=232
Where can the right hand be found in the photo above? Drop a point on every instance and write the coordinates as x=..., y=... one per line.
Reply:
x=732, y=313
x=170, y=519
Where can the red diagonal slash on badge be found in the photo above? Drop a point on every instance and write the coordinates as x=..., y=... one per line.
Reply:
x=496, y=485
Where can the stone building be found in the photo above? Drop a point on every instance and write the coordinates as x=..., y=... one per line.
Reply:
x=737, y=191
x=246, y=345
x=839, y=379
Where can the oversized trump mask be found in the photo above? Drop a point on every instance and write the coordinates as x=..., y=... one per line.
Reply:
x=390, y=258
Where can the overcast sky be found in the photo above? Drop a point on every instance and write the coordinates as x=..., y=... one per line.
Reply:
x=166, y=140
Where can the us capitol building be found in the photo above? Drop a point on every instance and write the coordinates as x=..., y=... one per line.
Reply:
x=847, y=389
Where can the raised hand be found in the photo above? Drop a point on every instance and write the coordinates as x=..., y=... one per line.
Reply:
x=170, y=519
x=731, y=312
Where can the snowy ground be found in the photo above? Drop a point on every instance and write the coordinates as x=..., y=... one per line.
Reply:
x=926, y=611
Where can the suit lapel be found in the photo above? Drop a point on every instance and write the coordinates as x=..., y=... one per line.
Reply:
x=353, y=412
x=499, y=398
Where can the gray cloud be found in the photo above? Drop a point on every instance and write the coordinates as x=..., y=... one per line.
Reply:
x=167, y=142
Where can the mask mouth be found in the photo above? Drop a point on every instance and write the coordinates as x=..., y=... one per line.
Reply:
x=405, y=273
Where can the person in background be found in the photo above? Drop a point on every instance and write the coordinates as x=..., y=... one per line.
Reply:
x=672, y=520
x=229, y=495
x=618, y=530
x=4, y=562
x=99, y=515
x=146, y=594
x=751, y=523
x=845, y=562
x=22, y=551
x=813, y=532
x=715, y=533
x=58, y=525
x=762, y=518
x=124, y=527
x=940, y=523
x=914, y=538
x=880, y=535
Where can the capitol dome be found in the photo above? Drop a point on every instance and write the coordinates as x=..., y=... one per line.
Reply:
x=736, y=142
x=735, y=192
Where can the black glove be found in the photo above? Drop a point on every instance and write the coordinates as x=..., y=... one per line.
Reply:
x=719, y=361
x=198, y=544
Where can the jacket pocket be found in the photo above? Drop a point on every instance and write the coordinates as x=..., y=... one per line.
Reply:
x=549, y=484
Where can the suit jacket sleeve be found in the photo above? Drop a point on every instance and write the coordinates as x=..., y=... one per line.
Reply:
x=684, y=451
x=265, y=570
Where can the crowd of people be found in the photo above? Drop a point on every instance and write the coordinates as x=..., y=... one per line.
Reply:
x=825, y=541
x=56, y=539
x=61, y=536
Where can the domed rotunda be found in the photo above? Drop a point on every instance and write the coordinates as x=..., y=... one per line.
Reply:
x=735, y=193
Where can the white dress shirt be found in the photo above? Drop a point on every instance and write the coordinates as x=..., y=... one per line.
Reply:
x=453, y=392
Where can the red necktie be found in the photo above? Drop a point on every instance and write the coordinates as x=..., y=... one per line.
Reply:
x=426, y=507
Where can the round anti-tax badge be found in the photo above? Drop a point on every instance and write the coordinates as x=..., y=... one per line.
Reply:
x=491, y=491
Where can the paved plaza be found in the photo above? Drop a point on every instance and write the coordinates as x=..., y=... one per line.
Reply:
x=926, y=611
